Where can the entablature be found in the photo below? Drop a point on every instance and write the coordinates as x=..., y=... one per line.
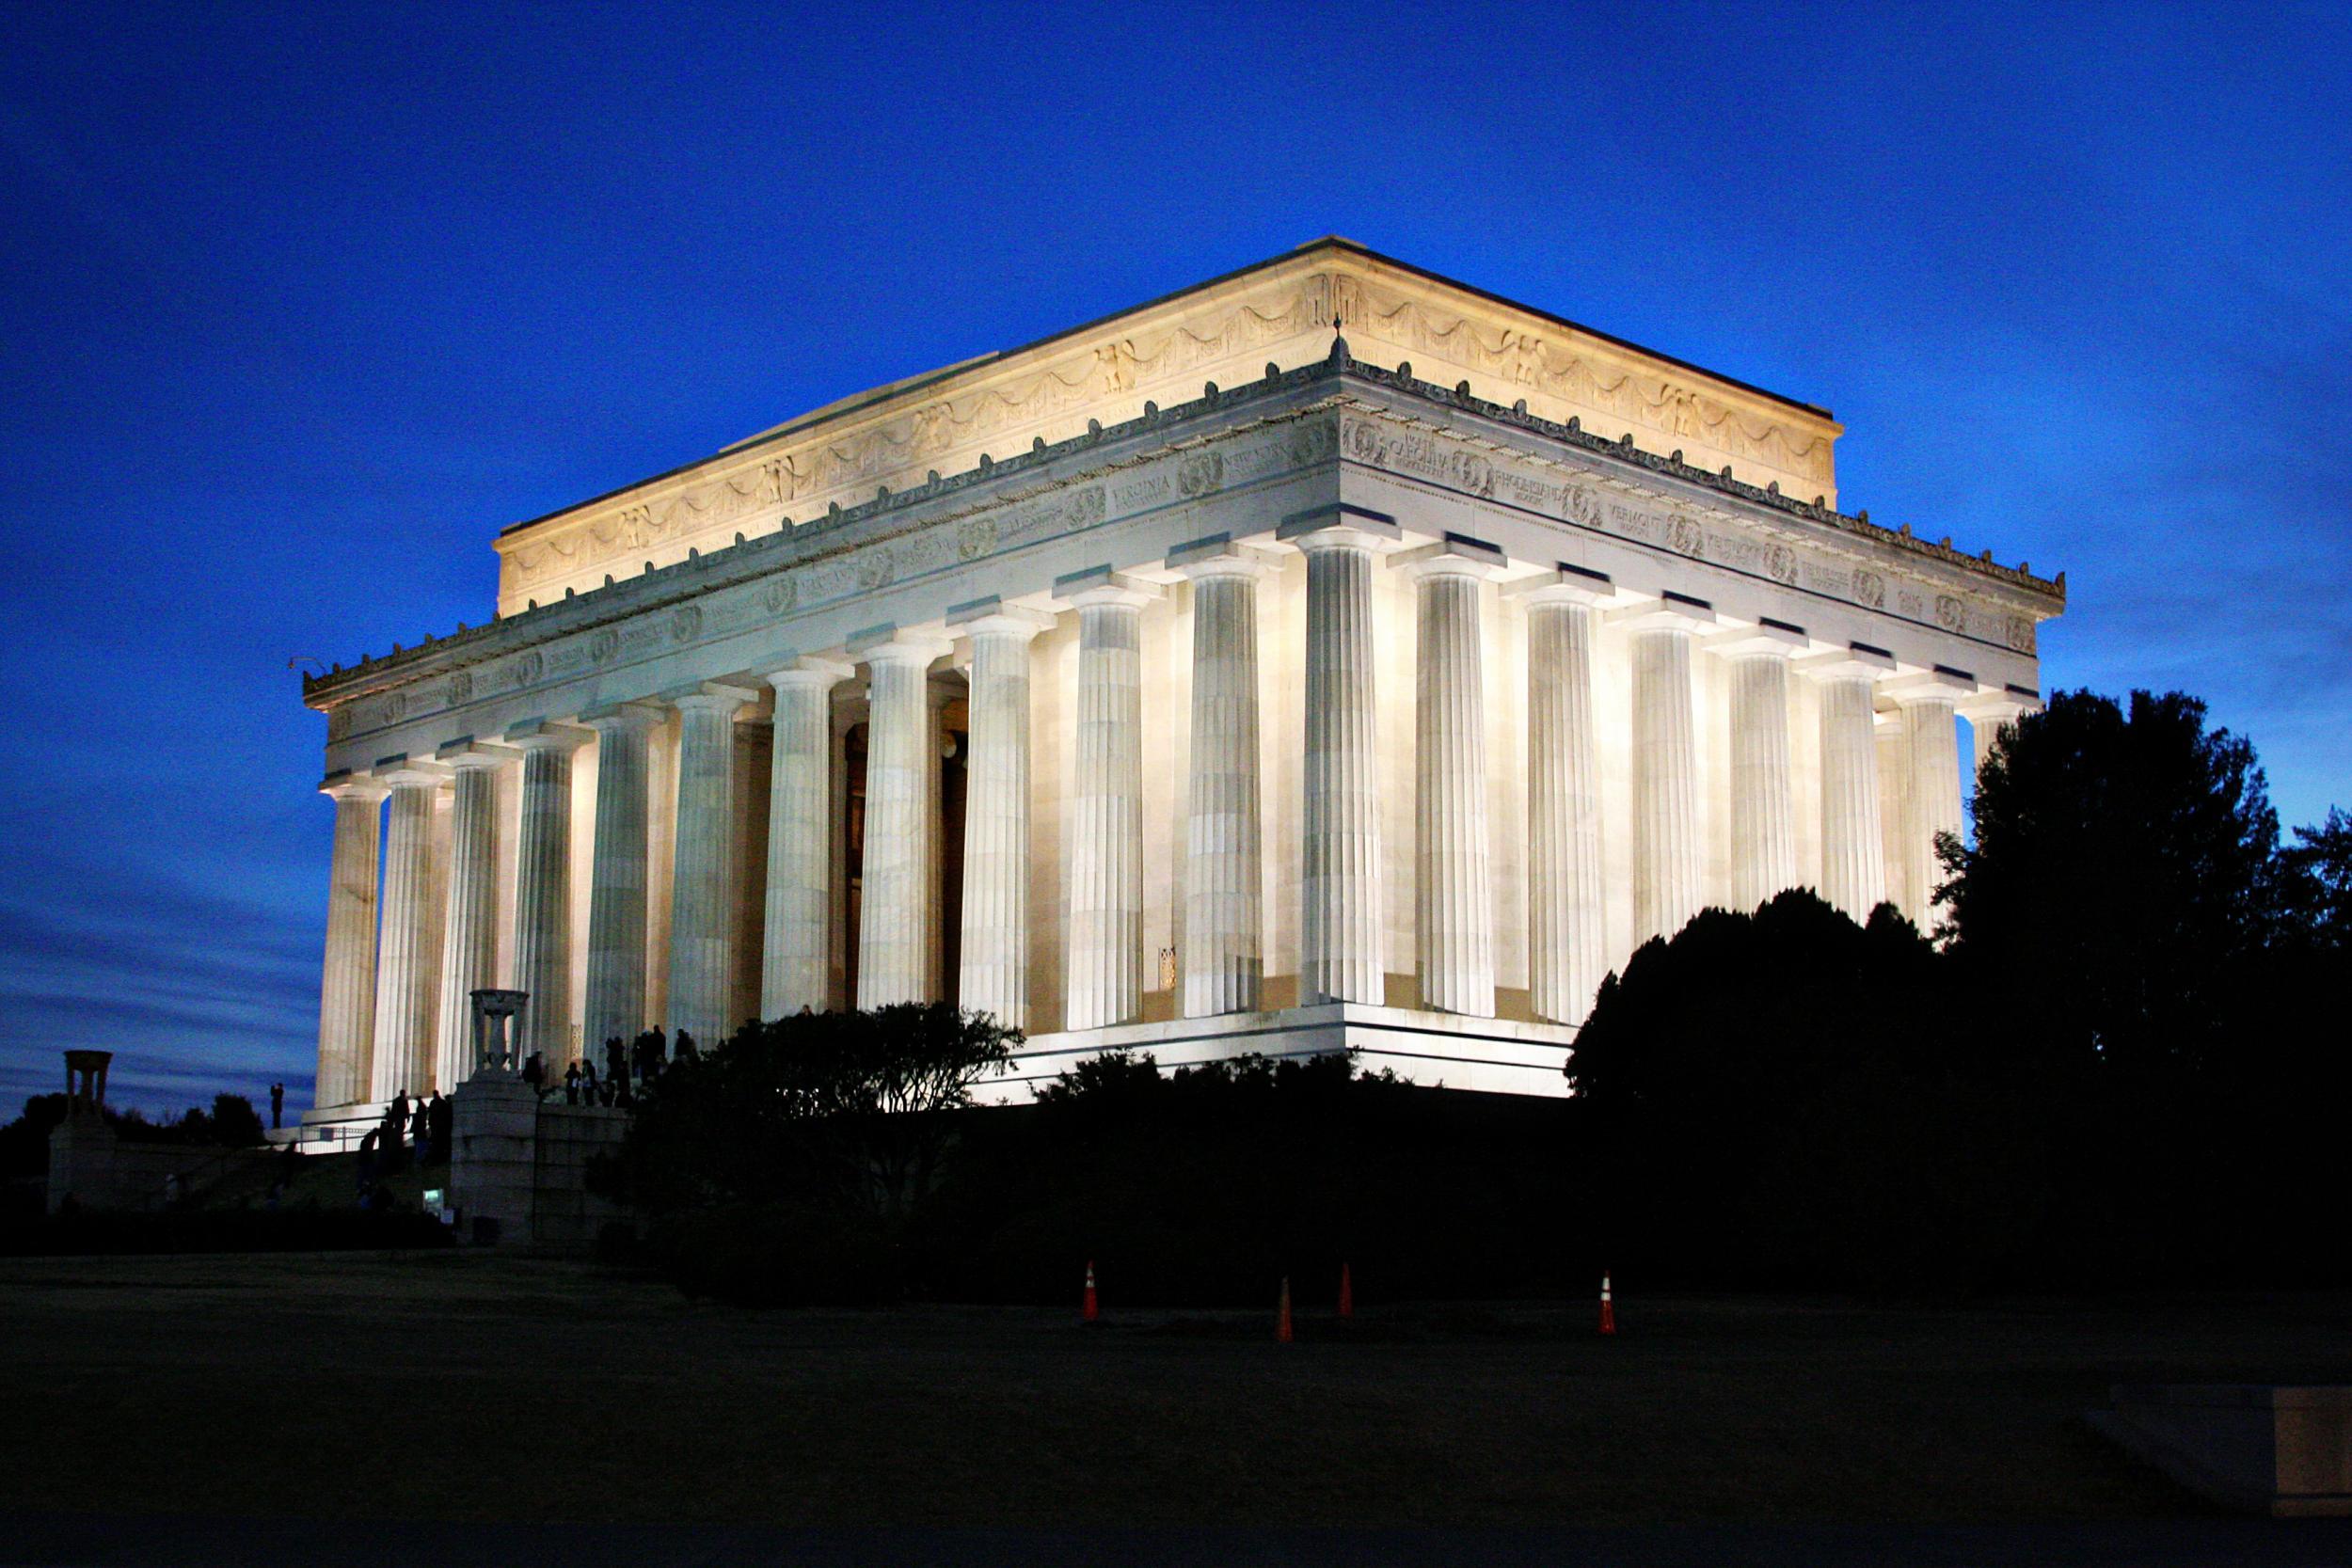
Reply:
x=1285, y=429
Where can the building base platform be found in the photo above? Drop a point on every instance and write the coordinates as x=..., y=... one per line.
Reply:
x=1496, y=1055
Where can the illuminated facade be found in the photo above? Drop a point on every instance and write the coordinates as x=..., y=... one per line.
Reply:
x=1198, y=681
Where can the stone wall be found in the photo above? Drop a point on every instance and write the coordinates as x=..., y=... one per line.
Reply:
x=94, y=1166
x=519, y=1166
x=563, y=1211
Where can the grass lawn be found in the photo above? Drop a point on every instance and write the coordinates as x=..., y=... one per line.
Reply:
x=472, y=1386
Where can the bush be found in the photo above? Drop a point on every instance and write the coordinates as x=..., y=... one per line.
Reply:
x=1208, y=1185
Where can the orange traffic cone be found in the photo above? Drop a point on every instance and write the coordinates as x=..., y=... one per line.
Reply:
x=1347, y=1294
x=1087, y=1310
x=1608, y=1308
x=1282, y=1320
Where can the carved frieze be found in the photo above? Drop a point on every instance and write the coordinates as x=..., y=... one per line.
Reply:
x=843, y=464
x=1591, y=501
x=1659, y=401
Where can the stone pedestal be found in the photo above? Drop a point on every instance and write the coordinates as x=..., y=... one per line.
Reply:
x=81, y=1161
x=494, y=1160
x=2255, y=1448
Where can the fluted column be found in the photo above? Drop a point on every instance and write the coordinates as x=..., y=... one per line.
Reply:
x=543, y=889
x=1224, y=865
x=1667, y=886
x=1565, y=913
x=1853, y=858
x=1763, y=793
x=1104, y=962
x=407, y=963
x=1988, y=714
x=992, y=975
x=902, y=822
x=1454, y=891
x=1340, y=922
x=702, y=866
x=795, y=949
x=1932, y=793
x=616, y=1002
x=347, y=986
x=469, y=926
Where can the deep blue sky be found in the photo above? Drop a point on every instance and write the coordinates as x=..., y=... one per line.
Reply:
x=299, y=305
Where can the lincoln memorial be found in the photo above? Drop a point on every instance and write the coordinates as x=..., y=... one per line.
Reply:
x=1326, y=656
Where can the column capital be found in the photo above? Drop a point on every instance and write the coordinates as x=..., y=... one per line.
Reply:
x=994, y=616
x=622, y=716
x=538, y=735
x=1855, y=662
x=1456, y=555
x=1579, y=585
x=1218, y=556
x=1938, y=686
x=465, y=752
x=1340, y=525
x=400, y=770
x=343, y=785
x=1765, y=639
x=889, y=643
x=2000, y=704
x=709, y=697
x=1100, y=585
x=1667, y=612
x=810, y=673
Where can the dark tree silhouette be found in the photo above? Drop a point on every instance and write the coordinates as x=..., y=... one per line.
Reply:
x=839, y=1108
x=2317, y=876
x=1789, y=1097
x=2122, y=880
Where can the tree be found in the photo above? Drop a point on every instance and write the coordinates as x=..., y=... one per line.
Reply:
x=1787, y=1098
x=852, y=1109
x=235, y=1122
x=2317, y=876
x=2122, y=880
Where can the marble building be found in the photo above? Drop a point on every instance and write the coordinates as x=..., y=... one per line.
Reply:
x=1201, y=680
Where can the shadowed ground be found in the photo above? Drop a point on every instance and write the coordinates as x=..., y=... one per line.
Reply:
x=473, y=1387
